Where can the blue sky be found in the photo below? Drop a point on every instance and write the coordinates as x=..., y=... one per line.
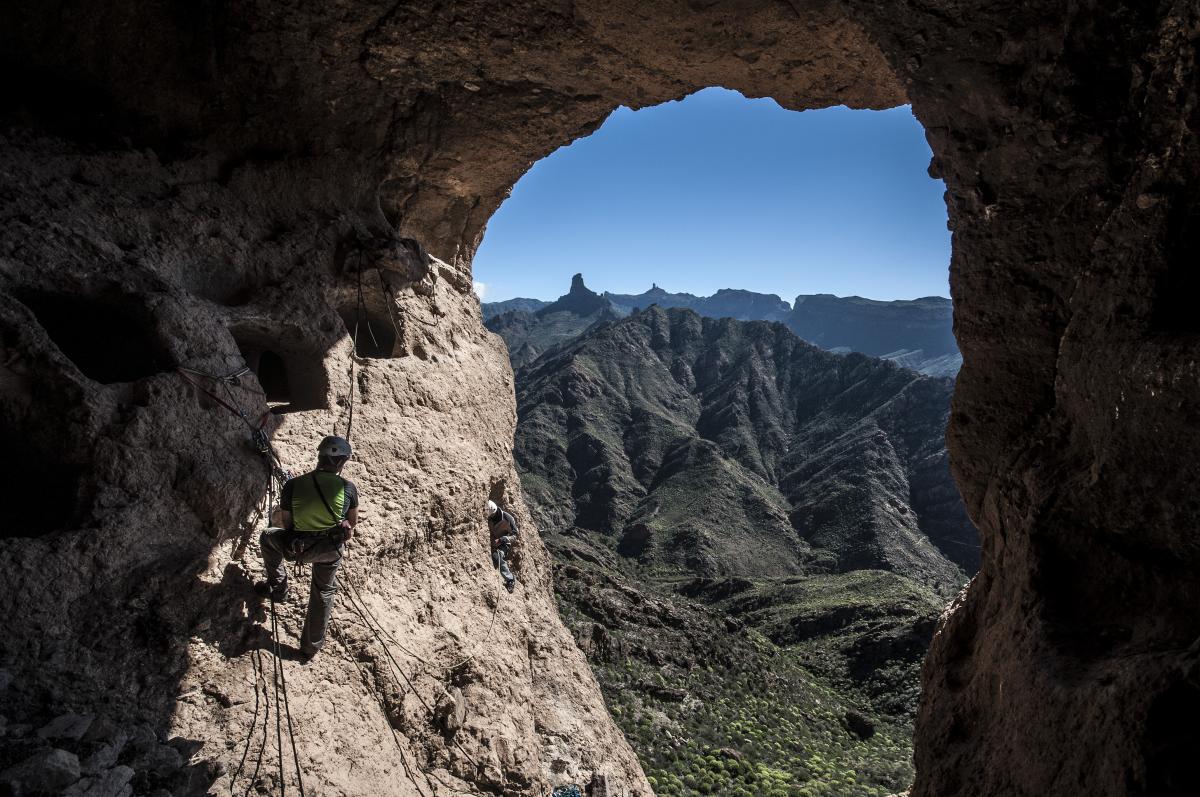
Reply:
x=718, y=191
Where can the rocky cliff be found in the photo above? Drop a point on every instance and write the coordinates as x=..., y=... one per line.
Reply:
x=529, y=335
x=725, y=303
x=492, y=309
x=128, y=576
x=916, y=333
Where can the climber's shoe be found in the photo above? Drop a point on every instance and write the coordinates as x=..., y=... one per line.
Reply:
x=510, y=585
x=277, y=594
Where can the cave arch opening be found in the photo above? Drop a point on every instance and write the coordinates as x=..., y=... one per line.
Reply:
x=636, y=479
x=1059, y=129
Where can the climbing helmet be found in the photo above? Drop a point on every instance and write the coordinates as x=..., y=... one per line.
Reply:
x=334, y=447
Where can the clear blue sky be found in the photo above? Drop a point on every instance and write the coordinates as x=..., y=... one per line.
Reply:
x=718, y=191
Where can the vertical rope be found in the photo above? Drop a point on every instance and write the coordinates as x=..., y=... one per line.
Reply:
x=275, y=665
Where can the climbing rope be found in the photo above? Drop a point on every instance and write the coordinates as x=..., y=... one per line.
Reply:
x=378, y=631
x=286, y=707
x=281, y=688
x=250, y=735
x=390, y=303
x=348, y=655
x=458, y=664
x=275, y=664
x=257, y=430
x=360, y=307
x=262, y=746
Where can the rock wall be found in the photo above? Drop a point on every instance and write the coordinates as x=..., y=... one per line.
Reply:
x=229, y=158
x=128, y=572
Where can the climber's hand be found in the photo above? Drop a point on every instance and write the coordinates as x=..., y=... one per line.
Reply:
x=347, y=531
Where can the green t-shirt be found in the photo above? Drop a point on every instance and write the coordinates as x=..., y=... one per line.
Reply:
x=318, y=500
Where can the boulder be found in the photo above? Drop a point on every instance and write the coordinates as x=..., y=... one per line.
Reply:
x=450, y=713
x=47, y=771
x=67, y=726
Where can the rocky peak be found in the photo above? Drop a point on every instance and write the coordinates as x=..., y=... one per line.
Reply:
x=580, y=300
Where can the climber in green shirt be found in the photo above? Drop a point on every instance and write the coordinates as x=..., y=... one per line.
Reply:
x=318, y=512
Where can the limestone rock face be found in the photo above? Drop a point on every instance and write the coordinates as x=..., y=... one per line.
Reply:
x=193, y=184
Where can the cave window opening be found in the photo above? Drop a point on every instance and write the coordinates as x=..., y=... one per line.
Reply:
x=376, y=338
x=110, y=340
x=292, y=380
x=272, y=375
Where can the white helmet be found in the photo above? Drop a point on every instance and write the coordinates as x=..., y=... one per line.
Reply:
x=492, y=508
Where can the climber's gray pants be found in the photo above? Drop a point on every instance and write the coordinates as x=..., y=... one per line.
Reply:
x=325, y=556
x=499, y=557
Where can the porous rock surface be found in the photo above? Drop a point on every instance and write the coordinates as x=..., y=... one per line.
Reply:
x=1065, y=133
x=136, y=598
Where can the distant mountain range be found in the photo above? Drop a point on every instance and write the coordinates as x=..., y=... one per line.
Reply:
x=916, y=334
x=753, y=537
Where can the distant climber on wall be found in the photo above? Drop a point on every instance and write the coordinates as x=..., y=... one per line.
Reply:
x=503, y=528
x=318, y=512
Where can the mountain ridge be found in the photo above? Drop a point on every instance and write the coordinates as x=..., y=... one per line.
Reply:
x=914, y=333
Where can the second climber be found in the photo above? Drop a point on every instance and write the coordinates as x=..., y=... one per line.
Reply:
x=503, y=528
x=318, y=513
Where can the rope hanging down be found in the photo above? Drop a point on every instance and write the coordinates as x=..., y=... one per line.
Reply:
x=256, y=665
x=447, y=667
x=378, y=631
x=360, y=307
x=275, y=473
x=281, y=686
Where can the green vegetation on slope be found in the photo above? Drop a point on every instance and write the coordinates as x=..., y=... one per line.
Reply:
x=714, y=706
